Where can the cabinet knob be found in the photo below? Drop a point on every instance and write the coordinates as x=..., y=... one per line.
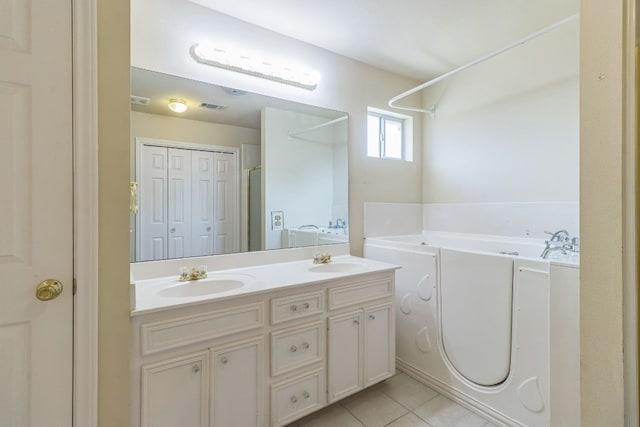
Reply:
x=195, y=369
x=305, y=346
x=356, y=322
x=305, y=306
x=172, y=230
x=294, y=399
x=208, y=228
x=224, y=360
x=293, y=349
x=305, y=394
x=372, y=317
x=294, y=308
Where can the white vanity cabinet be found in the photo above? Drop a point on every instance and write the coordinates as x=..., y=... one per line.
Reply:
x=200, y=366
x=361, y=349
x=176, y=392
x=266, y=359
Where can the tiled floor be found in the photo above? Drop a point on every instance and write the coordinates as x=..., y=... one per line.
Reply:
x=399, y=401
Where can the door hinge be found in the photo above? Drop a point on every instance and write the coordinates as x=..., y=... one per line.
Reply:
x=75, y=286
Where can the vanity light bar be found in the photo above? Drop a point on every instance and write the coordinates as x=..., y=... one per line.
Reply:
x=214, y=56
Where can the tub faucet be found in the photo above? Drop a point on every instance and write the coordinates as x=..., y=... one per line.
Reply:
x=340, y=223
x=545, y=253
x=560, y=241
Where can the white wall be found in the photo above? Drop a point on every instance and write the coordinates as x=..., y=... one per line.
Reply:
x=507, y=130
x=347, y=85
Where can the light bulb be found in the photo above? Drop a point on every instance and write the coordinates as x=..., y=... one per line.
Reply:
x=177, y=105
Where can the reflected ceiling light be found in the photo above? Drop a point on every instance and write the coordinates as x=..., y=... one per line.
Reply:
x=283, y=73
x=177, y=105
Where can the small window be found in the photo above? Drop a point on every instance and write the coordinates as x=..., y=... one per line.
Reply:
x=389, y=135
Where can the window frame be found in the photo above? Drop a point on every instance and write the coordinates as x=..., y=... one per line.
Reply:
x=406, y=129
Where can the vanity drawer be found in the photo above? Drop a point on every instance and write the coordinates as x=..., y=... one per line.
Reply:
x=296, y=347
x=296, y=307
x=297, y=397
x=178, y=332
x=356, y=293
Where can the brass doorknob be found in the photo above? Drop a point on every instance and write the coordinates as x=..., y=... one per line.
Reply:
x=48, y=290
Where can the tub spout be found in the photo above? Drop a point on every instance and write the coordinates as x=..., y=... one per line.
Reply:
x=549, y=249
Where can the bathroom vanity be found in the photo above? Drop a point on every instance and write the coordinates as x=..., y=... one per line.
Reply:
x=277, y=343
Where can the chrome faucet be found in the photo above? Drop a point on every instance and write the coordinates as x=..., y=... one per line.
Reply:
x=340, y=223
x=560, y=241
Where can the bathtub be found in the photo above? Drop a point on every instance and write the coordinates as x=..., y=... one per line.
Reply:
x=487, y=322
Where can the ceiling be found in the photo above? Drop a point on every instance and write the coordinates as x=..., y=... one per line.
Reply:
x=414, y=38
x=419, y=39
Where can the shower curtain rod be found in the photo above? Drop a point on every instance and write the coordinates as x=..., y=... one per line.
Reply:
x=431, y=110
x=321, y=125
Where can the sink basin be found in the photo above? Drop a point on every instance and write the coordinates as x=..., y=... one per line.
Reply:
x=336, y=267
x=208, y=286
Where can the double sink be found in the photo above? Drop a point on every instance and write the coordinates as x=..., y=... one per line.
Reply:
x=217, y=283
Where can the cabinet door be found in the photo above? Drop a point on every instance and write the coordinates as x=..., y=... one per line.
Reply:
x=237, y=389
x=379, y=344
x=345, y=354
x=175, y=392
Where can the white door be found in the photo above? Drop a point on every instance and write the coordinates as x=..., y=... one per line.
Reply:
x=179, y=199
x=202, y=207
x=36, y=214
x=225, y=204
x=152, y=228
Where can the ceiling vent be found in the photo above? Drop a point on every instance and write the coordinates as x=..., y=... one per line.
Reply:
x=212, y=106
x=140, y=100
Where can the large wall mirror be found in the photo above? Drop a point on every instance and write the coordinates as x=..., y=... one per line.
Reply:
x=235, y=172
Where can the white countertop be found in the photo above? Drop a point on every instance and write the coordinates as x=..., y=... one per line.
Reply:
x=257, y=279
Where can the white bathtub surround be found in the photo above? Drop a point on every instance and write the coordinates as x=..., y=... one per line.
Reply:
x=310, y=236
x=390, y=219
x=516, y=219
x=541, y=350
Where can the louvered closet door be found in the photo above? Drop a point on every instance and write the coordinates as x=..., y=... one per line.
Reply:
x=202, y=211
x=179, y=203
x=225, y=204
x=153, y=204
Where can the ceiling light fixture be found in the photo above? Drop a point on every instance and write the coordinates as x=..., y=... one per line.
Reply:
x=177, y=105
x=282, y=73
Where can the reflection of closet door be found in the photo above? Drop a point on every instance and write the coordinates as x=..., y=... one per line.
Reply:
x=225, y=211
x=153, y=204
x=179, y=203
x=202, y=211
